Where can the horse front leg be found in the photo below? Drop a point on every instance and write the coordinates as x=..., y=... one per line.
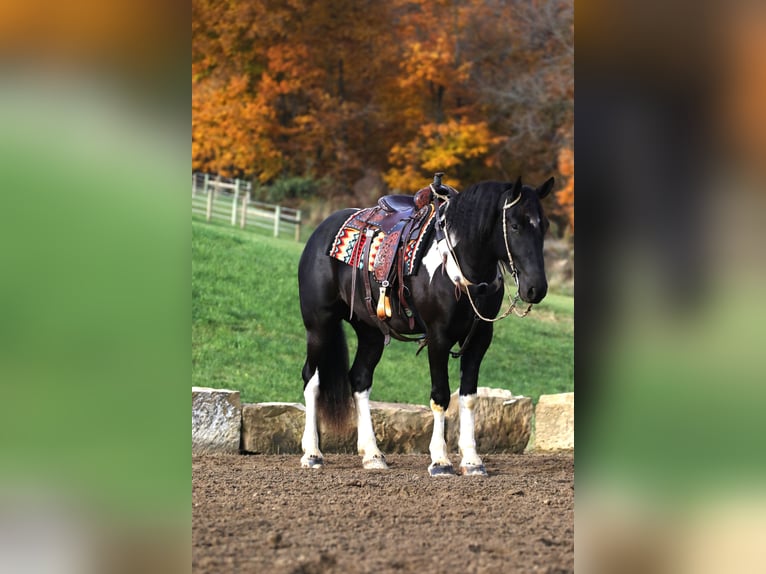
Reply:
x=367, y=444
x=438, y=357
x=471, y=463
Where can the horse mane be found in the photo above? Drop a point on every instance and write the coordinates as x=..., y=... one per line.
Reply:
x=472, y=214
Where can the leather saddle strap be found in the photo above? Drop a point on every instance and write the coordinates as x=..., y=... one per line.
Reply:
x=354, y=271
x=369, y=232
x=356, y=257
x=403, y=306
x=387, y=253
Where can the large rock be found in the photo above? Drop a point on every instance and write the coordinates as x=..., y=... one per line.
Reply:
x=216, y=420
x=273, y=428
x=554, y=422
x=399, y=429
x=278, y=428
x=503, y=422
x=402, y=429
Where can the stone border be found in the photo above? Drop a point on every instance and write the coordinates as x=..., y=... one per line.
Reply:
x=503, y=425
x=554, y=422
x=216, y=420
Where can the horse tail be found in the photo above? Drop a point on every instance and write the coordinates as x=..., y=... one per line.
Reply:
x=334, y=400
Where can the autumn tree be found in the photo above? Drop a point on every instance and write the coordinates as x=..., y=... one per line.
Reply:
x=454, y=146
x=442, y=127
x=308, y=71
x=480, y=89
x=565, y=196
x=522, y=82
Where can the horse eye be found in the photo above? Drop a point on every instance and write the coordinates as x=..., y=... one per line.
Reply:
x=515, y=226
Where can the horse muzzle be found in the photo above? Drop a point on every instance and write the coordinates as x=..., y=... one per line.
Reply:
x=533, y=293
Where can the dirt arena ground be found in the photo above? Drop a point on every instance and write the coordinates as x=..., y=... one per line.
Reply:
x=264, y=513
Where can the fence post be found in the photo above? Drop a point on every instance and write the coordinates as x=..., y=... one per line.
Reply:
x=298, y=225
x=234, y=203
x=205, y=181
x=210, y=194
x=243, y=218
x=277, y=215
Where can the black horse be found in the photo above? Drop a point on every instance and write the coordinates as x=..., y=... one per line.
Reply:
x=457, y=288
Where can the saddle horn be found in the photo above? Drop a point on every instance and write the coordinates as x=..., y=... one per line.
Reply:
x=440, y=190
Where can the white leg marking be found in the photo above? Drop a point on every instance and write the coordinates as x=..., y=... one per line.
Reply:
x=438, y=446
x=471, y=463
x=311, y=458
x=366, y=443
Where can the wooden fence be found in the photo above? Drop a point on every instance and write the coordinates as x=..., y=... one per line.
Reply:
x=230, y=200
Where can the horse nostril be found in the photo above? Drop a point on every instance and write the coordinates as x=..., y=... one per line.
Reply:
x=531, y=293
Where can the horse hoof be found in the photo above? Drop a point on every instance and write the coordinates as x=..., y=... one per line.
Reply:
x=473, y=470
x=436, y=469
x=375, y=463
x=312, y=461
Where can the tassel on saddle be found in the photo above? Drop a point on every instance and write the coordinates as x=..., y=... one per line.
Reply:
x=383, y=311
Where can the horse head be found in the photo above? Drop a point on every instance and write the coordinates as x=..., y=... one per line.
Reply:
x=523, y=227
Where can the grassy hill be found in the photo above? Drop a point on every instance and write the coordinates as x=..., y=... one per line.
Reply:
x=247, y=332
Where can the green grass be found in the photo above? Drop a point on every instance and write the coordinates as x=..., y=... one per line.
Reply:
x=247, y=332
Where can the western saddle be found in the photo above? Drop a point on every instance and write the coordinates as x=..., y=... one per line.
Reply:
x=403, y=221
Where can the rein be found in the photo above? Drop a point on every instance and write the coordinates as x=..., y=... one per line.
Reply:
x=463, y=283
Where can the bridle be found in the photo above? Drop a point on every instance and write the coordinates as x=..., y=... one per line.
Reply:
x=463, y=283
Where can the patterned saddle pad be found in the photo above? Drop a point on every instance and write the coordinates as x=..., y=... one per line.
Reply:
x=349, y=242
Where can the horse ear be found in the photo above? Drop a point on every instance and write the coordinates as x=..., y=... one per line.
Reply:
x=516, y=190
x=545, y=188
x=513, y=191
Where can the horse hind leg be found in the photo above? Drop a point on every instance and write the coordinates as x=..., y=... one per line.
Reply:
x=369, y=351
x=326, y=386
x=323, y=384
x=312, y=456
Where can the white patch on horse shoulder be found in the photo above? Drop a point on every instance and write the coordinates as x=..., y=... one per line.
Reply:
x=452, y=268
x=438, y=255
x=432, y=261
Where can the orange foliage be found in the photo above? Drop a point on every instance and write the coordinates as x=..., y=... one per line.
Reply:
x=479, y=89
x=227, y=132
x=449, y=147
x=565, y=196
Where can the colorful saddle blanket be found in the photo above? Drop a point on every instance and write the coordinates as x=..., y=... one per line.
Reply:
x=370, y=224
